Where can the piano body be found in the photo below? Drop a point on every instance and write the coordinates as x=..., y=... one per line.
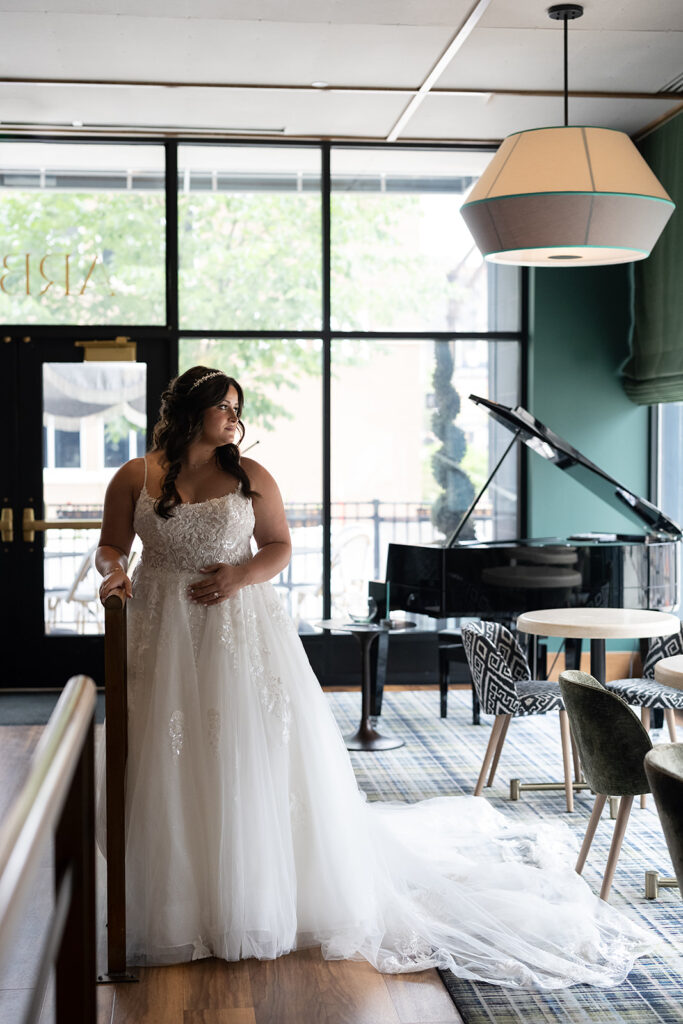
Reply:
x=500, y=579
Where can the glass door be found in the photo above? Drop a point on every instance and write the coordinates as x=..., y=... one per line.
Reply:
x=74, y=410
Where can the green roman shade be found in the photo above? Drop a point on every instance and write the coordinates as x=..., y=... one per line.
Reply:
x=654, y=371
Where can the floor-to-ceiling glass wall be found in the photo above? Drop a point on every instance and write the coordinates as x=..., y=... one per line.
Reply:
x=337, y=283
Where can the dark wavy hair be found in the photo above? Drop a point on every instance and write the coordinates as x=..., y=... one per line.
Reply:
x=183, y=404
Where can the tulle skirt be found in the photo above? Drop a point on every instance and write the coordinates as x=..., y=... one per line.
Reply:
x=247, y=835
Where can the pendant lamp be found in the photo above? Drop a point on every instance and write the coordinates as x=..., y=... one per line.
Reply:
x=567, y=196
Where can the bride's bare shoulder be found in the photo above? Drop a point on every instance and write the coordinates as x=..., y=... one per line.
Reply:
x=259, y=477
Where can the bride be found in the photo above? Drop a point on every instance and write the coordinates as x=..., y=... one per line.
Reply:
x=246, y=833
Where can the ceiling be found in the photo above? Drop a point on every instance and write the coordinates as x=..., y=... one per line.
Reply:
x=246, y=67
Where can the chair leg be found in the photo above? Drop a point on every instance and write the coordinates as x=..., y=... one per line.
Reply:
x=578, y=777
x=499, y=747
x=600, y=799
x=567, y=759
x=670, y=716
x=496, y=728
x=615, y=849
x=645, y=719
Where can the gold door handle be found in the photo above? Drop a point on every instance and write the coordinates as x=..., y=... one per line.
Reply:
x=6, y=526
x=30, y=524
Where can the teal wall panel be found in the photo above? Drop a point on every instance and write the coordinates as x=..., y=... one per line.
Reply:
x=579, y=333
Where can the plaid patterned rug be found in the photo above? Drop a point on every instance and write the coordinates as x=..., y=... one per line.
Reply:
x=442, y=757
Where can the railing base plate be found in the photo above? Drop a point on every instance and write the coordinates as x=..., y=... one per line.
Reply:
x=117, y=978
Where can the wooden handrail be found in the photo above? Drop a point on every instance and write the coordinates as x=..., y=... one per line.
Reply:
x=57, y=800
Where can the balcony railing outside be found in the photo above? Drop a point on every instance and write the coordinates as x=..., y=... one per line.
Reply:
x=361, y=531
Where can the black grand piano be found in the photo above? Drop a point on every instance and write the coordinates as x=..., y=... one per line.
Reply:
x=500, y=579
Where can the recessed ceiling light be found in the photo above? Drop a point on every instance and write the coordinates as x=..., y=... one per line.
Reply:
x=76, y=124
x=320, y=85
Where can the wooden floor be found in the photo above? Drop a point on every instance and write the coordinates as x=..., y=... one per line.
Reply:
x=301, y=988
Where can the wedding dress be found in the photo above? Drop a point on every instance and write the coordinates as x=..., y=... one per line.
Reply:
x=247, y=835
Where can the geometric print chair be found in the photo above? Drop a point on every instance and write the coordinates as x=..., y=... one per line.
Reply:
x=646, y=693
x=502, y=680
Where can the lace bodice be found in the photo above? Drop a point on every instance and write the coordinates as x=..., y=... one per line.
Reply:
x=196, y=534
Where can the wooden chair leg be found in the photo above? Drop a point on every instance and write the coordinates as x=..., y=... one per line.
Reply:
x=499, y=747
x=615, y=849
x=670, y=716
x=567, y=759
x=578, y=777
x=496, y=728
x=600, y=799
x=645, y=719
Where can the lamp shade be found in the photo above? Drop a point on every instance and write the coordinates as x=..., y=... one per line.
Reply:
x=567, y=196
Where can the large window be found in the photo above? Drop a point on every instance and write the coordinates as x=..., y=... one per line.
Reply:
x=82, y=234
x=402, y=258
x=249, y=223
x=410, y=450
x=670, y=462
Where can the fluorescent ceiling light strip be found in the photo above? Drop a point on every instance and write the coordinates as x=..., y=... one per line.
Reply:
x=442, y=63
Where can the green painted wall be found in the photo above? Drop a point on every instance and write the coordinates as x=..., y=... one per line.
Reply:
x=579, y=335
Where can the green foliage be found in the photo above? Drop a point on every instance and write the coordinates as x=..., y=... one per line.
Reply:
x=117, y=429
x=457, y=491
x=122, y=231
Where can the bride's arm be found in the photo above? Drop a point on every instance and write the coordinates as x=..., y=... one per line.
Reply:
x=271, y=531
x=116, y=538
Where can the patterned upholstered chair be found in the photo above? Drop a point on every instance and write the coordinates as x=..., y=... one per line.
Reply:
x=646, y=693
x=502, y=680
x=612, y=745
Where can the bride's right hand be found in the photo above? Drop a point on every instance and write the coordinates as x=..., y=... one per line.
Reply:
x=113, y=582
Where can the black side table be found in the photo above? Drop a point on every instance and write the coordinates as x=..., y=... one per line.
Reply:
x=366, y=737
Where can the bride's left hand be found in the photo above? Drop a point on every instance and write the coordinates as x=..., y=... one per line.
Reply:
x=222, y=581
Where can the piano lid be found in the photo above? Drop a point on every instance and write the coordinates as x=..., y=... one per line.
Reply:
x=554, y=448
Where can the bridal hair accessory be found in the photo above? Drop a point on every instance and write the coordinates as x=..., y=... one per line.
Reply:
x=207, y=376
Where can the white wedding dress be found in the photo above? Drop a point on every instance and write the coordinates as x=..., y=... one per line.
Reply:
x=247, y=835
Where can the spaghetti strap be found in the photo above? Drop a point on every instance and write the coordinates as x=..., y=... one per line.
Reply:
x=144, y=482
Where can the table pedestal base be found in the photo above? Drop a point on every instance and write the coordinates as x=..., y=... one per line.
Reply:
x=367, y=738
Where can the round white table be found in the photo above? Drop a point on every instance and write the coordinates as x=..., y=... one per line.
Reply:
x=669, y=671
x=598, y=625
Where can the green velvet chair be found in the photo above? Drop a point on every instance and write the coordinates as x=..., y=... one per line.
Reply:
x=664, y=770
x=612, y=744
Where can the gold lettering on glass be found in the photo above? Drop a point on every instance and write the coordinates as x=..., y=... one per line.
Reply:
x=49, y=280
x=95, y=275
x=9, y=271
